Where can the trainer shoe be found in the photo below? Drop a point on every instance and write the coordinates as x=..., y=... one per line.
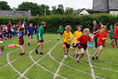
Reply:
x=78, y=60
x=36, y=51
x=96, y=57
x=22, y=54
x=93, y=58
x=65, y=56
x=41, y=53
x=28, y=44
x=2, y=48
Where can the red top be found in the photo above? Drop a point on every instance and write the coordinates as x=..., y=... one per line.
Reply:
x=9, y=27
x=116, y=32
x=84, y=39
x=106, y=32
x=101, y=35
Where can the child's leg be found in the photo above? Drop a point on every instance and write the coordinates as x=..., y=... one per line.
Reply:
x=38, y=45
x=29, y=39
x=82, y=52
x=64, y=48
x=41, y=47
x=21, y=47
x=117, y=42
x=99, y=50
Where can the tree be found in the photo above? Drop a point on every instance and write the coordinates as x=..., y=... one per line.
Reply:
x=69, y=11
x=4, y=5
x=33, y=7
x=90, y=11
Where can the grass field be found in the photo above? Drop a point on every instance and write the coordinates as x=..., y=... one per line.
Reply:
x=52, y=65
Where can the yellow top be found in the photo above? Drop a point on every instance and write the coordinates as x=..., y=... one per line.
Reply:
x=76, y=35
x=67, y=37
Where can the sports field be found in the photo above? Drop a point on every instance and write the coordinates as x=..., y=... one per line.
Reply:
x=52, y=65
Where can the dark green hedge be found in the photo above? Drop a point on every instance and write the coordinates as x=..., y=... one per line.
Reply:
x=53, y=21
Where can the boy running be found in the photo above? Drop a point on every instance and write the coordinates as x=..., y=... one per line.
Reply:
x=60, y=32
x=67, y=40
x=40, y=38
x=83, y=43
x=101, y=40
x=30, y=31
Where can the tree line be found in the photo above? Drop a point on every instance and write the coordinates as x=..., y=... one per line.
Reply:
x=42, y=9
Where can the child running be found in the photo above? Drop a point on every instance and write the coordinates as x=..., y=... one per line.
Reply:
x=101, y=40
x=67, y=40
x=115, y=35
x=30, y=30
x=40, y=38
x=111, y=35
x=21, y=40
x=76, y=35
x=60, y=32
x=83, y=43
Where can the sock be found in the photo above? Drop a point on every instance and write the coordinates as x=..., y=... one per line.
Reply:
x=0, y=53
x=78, y=52
x=29, y=41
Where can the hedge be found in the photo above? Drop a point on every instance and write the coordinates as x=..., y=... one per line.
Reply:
x=53, y=21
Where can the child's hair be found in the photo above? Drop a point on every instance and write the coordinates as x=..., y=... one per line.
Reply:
x=43, y=23
x=116, y=24
x=68, y=27
x=102, y=27
x=85, y=30
x=21, y=29
x=78, y=26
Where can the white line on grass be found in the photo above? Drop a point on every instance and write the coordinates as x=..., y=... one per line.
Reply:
x=43, y=66
x=13, y=66
x=90, y=64
x=58, y=69
x=37, y=62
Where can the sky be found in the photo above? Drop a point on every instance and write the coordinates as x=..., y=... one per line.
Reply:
x=76, y=4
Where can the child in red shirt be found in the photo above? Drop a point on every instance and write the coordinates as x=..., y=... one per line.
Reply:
x=83, y=43
x=101, y=41
x=116, y=35
x=106, y=32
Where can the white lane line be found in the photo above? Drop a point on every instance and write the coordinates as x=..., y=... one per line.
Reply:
x=43, y=66
x=90, y=64
x=37, y=62
x=9, y=62
x=58, y=69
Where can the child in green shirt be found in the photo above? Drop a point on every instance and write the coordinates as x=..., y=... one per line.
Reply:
x=60, y=30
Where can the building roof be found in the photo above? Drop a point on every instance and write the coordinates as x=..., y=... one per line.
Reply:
x=113, y=4
x=100, y=5
x=17, y=13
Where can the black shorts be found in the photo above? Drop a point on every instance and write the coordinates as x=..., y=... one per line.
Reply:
x=75, y=45
x=67, y=45
x=82, y=46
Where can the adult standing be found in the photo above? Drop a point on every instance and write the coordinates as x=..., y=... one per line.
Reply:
x=95, y=30
x=9, y=28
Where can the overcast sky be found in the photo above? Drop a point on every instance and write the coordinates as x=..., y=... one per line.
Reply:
x=67, y=3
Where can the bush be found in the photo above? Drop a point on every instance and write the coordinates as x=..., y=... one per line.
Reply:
x=53, y=21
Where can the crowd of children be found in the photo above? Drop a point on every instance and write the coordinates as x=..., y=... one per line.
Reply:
x=80, y=40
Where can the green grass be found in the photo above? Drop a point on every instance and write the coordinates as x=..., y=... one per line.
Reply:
x=46, y=67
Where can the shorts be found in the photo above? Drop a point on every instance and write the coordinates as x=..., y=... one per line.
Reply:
x=60, y=33
x=40, y=41
x=82, y=46
x=21, y=41
x=78, y=44
x=67, y=45
x=111, y=38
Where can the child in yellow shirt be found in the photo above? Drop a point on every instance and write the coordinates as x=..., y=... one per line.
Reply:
x=67, y=40
x=76, y=35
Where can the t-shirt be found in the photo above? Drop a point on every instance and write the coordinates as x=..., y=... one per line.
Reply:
x=116, y=32
x=67, y=36
x=61, y=30
x=84, y=39
x=31, y=30
x=100, y=37
x=111, y=32
x=95, y=28
x=21, y=34
x=106, y=32
x=41, y=32
x=9, y=27
x=76, y=35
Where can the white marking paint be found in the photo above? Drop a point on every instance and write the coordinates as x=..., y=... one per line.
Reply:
x=37, y=62
x=90, y=64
